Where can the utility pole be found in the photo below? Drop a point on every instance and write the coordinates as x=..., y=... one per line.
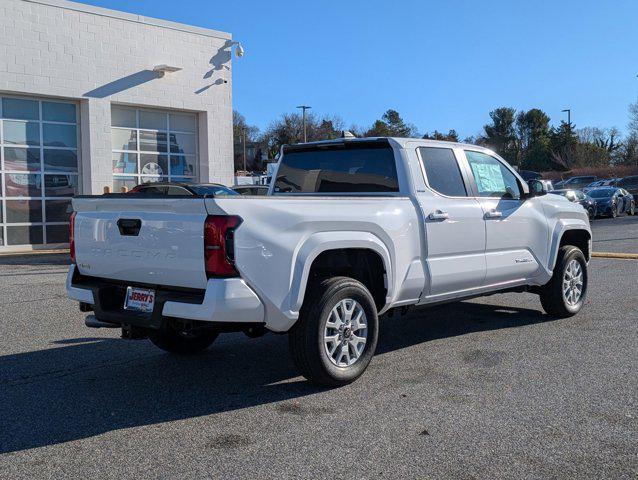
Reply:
x=569, y=117
x=243, y=132
x=304, y=108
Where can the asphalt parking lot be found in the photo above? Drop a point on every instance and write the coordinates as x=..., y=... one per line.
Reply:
x=618, y=235
x=488, y=388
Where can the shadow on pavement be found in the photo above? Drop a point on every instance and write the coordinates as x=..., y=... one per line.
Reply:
x=36, y=259
x=87, y=386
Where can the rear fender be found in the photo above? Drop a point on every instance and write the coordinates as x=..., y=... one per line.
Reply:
x=321, y=242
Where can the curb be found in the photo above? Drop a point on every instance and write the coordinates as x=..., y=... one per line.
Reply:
x=35, y=252
x=624, y=256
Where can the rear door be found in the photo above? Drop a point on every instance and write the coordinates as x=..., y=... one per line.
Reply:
x=516, y=229
x=454, y=225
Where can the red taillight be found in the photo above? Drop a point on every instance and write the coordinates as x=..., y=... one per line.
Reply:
x=219, y=251
x=72, y=236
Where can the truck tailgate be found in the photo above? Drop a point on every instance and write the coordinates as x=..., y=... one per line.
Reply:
x=153, y=241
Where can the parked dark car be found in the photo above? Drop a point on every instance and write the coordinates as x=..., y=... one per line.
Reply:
x=612, y=201
x=175, y=188
x=251, y=189
x=529, y=175
x=578, y=196
x=630, y=184
x=604, y=182
x=575, y=182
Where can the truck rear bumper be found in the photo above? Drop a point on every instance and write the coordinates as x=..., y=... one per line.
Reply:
x=225, y=300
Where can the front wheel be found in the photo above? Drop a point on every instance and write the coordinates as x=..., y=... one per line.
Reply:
x=564, y=294
x=173, y=339
x=632, y=209
x=336, y=334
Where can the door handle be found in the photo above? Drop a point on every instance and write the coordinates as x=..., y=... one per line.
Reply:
x=493, y=214
x=438, y=215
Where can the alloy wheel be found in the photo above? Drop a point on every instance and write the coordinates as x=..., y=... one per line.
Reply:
x=573, y=283
x=345, y=333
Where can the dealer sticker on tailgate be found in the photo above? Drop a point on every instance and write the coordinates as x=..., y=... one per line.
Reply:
x=139, y=299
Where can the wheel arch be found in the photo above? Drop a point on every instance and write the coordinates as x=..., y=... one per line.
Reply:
x=576, y=234
x=323, y=248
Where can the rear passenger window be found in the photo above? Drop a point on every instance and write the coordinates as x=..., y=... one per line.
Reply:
x=442, y=171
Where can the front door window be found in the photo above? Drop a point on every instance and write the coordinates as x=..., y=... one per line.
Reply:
x=493, y=179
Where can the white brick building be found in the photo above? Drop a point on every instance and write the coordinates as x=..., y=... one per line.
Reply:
x=82, y=109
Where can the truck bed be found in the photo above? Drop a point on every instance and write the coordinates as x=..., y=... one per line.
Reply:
x=274, y=246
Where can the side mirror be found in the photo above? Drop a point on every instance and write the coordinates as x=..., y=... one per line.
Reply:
x=536, y=188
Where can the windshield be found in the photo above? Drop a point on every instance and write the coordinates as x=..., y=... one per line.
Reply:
x=214, y=190
x=602, y=193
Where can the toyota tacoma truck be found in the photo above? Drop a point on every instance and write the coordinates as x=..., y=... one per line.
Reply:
x=350, y=230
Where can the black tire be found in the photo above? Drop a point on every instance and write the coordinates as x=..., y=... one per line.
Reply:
x=632, y=209
x=174, y=341
x=551, y=295
x=614, y=211
x=590, y=213
x=306, y=339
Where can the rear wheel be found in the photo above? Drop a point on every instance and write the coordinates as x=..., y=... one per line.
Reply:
x=564, y=294
x=336, y=334
x=171, y=338
x=632, y=209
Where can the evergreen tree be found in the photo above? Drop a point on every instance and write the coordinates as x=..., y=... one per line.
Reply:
x=500, y=135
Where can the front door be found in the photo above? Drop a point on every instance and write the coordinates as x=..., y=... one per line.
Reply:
x=454, y=225
x=516, y=229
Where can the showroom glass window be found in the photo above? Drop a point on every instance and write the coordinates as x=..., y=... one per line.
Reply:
x=39, y=165
x=152, y=146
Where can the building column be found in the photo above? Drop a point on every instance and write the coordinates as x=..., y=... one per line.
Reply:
x=216, y=162
x=95, y=137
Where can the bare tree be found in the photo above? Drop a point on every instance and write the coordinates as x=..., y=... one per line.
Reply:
x=633, y=118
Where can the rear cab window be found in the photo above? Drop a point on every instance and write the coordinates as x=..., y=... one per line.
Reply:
x=348, y=167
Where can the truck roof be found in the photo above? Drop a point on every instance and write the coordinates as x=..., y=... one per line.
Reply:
x=401, y=141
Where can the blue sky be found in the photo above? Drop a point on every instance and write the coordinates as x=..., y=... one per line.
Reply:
x=441, y=64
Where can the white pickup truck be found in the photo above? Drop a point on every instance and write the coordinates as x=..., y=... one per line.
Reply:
x=350, y=229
